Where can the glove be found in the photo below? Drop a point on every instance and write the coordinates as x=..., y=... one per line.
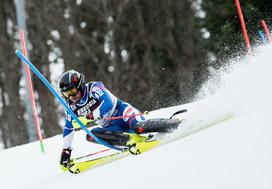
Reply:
x=65, y=158
x=85, y=120
x=90, y=116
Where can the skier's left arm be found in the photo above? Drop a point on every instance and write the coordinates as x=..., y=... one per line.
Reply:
x=68, y=135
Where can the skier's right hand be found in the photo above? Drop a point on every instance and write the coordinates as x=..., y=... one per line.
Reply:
x=84, y=120
x=65, y=158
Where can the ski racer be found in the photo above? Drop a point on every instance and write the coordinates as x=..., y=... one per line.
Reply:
x=93, y=101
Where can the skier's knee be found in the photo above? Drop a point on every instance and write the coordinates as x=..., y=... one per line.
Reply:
x=90, y=138
x=138, y=128
x=96, y=132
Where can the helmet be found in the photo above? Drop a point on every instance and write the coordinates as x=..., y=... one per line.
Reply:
x=71, y=82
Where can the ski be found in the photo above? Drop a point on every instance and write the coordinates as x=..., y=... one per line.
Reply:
x=136, y=149
x=79, y=167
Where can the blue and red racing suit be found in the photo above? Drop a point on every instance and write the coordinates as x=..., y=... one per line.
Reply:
x=103, y=104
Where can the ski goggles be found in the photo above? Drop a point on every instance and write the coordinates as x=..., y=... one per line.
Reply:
x=70, y=92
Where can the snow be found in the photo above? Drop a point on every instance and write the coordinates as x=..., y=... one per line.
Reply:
x=224, y=142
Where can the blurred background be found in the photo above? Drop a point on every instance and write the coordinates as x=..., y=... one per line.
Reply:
x=153, y=54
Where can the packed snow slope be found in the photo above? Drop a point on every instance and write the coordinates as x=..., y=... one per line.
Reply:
x=225, y=142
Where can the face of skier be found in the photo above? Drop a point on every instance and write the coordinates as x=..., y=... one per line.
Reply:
x=73, y=94
x=75, y=98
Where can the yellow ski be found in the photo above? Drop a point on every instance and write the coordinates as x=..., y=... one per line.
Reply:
x=138, y=148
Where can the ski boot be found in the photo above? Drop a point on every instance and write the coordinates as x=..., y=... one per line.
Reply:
x=161, y=125
x=134, y=140
x=139, y=144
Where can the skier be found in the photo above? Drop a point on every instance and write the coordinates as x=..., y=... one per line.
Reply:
x=92, y=101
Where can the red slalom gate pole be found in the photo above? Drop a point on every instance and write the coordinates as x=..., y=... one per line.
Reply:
x=267, y=33
x=243, y=25
x=29, y=82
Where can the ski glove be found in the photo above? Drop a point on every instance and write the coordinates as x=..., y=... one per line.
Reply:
x=85, y=120
x=65, y=158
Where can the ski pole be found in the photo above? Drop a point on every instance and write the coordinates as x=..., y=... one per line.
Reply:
x=48, y=85
x=87, y=121
x=145, y=113
x=91, y=154
x=178, y=112
x=126, y=116
x=117, y=117
x=133, y=115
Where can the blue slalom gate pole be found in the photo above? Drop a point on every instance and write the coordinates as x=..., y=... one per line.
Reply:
x=263, y=39
x=48, y=85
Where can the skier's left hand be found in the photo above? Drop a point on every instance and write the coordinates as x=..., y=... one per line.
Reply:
x=90, y=116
